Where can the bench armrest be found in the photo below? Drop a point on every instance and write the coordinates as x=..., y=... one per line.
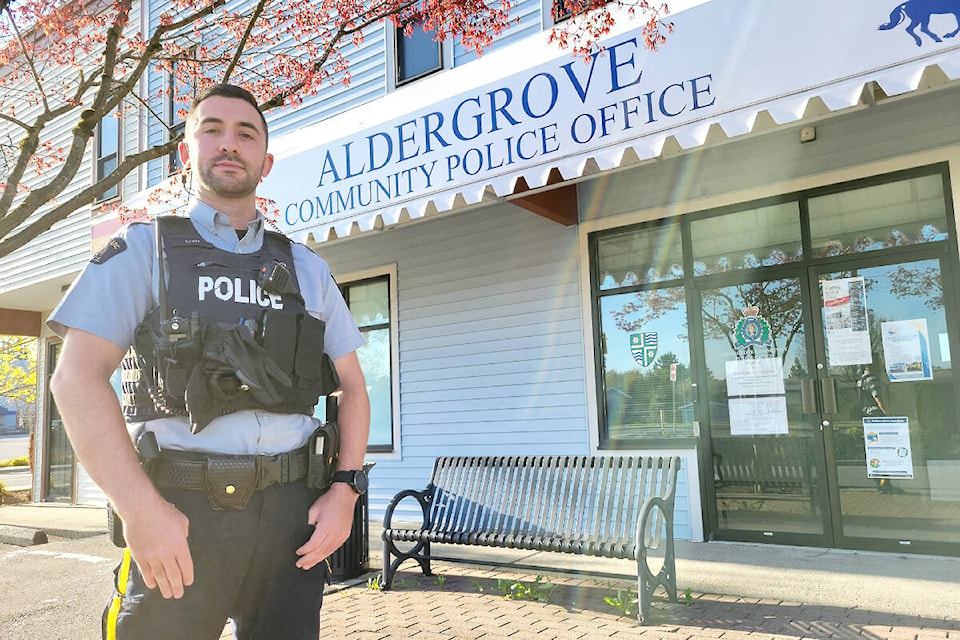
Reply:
x=644, y=524
x=423, y=498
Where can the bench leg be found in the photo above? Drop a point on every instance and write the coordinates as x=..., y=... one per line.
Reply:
x=647, y=582
x=420, y=552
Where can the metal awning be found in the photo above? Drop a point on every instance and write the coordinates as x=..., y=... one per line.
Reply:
x=730, y=68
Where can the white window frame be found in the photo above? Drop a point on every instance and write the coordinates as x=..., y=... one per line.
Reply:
x=98, y=159
x=389, y=270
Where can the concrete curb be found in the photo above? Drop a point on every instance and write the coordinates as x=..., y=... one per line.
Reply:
x=17, y=469
x=21, y=536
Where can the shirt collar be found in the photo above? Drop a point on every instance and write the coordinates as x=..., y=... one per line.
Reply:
x=217, y=225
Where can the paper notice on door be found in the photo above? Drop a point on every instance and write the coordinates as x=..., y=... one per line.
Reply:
x=906, y=350
x=758, y=416
x=754, y=377
x=845, y=322
x=887, y=443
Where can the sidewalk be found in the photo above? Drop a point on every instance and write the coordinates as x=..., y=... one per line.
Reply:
x=735, y=591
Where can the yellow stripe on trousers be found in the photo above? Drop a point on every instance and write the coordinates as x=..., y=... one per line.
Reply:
x=114, y=612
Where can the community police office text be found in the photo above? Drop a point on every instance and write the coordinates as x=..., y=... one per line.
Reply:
x=500, y=128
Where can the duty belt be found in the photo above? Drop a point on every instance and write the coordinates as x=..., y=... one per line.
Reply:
x=229, y=481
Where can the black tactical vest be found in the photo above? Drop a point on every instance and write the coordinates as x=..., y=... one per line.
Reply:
x=212, y=292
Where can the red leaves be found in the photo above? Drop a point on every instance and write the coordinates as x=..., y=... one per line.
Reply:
x=590, y=20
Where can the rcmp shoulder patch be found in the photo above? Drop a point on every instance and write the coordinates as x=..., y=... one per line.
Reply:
x=113, y=247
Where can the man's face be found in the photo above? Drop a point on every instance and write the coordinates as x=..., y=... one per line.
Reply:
x=225, y=146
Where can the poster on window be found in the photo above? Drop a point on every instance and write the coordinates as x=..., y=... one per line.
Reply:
x=754, y=377
x=887, y=444
x=758, y=416
x=845, y=321
x=906, y=350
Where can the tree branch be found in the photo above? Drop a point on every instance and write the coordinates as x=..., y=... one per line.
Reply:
x=242, y=44
x=28, y=58
x=10, y=243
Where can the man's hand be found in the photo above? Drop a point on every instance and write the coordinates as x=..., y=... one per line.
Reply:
x=157, y=539
x=332, y=515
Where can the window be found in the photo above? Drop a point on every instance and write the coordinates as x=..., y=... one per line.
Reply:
x=107, y=153
x=644, y=355
x=669, y=296
x=418, y=54
x=370, y=301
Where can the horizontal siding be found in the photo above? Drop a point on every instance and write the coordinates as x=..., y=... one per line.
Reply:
x=65, y=247
x=367, y=82
x=490, y=339
x=527, y=14
x=88, y=493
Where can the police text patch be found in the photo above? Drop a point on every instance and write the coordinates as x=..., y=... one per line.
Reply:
x=107, y=251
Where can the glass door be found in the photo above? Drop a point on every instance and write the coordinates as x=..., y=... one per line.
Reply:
x=889, y=406
x=59, y=461
x=765, y=448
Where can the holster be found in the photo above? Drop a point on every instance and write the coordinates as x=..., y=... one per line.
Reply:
x=148, y=452
x=324, y=448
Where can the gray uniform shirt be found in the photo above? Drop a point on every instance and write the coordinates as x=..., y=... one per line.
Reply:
x=117, y=290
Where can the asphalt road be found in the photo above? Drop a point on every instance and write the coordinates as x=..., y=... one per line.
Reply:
x=55, y=590
x=14, y=446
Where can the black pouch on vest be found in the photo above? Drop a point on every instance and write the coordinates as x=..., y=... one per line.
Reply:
x=329, y=379
x=324, y=446
x=309, y=352
x=277, y=334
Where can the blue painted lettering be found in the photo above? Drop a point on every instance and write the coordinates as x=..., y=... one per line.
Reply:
x=502, y=109
x=551, y=136
x=615, y=80
x=573, y=128
x=697, y=91
x=403, y=138
x=477, y=120
x=434, y=131
x=328, y=167
x=575, y=81
x=520, y=138
x=373, y=151
x=554, y=95
x=606, y=117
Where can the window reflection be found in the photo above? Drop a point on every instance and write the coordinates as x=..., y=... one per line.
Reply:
x=646, y=362
x=888, y=215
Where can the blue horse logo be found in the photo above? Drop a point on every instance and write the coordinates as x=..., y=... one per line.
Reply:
x=919, y=13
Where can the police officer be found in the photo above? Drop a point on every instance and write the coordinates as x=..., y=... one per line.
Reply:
x=192, y=563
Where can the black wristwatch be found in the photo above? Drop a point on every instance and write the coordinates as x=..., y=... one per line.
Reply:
x=356, y=478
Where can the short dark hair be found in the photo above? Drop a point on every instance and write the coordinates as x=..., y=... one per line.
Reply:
x=228, y=91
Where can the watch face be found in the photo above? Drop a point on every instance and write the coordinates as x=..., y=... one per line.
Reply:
x=360, y=481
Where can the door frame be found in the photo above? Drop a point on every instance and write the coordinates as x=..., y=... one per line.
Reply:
x=49, y=361
x=898, y=255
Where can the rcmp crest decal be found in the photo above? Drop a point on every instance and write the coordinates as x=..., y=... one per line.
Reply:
x=752, y=330
x=643, y=347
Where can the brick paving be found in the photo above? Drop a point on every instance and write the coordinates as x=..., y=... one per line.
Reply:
x=463, y=601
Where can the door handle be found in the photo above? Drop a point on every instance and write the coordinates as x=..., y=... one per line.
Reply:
x=828, y=391
x=808, y=395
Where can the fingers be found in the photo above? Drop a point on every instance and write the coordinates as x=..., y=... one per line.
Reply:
x=315, y=550
x=171, y=575
x=164, y=559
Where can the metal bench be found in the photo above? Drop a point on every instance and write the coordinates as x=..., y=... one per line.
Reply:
x=609, y=506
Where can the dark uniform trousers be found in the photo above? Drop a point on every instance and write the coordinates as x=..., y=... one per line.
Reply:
x=244, y=568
